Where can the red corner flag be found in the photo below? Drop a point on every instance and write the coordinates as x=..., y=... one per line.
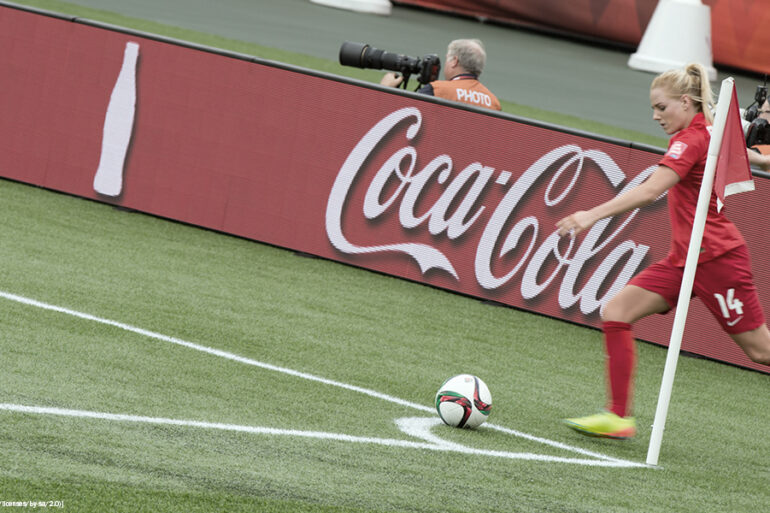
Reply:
x=733, y=173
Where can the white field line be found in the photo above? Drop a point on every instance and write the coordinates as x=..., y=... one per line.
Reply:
x=600, y=459
x=320, y=435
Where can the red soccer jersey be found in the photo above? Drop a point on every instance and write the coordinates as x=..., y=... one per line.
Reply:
x=686, y=155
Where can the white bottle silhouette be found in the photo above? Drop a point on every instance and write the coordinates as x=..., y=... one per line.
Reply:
x=118, y=125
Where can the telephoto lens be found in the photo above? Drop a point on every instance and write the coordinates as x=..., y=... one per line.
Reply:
x=361, y=55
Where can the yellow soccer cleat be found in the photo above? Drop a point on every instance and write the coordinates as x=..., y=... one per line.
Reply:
x=604, y=425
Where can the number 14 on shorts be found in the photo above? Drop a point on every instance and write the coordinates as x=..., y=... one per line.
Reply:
x=728, y=303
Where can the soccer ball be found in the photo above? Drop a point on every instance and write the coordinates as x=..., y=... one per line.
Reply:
x=463, y=401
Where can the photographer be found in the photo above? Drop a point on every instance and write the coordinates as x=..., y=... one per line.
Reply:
x=757, y=129
x=465, y=61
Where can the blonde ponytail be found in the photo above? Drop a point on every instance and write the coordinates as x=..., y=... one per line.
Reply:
x=691, y=81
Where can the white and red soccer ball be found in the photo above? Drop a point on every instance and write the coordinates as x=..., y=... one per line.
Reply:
x=464, y=401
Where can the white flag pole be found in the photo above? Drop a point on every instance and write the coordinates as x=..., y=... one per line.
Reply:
x=693, y=251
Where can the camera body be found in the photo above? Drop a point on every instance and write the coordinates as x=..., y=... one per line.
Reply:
x=758, y=132
x=760, y=96
x=361, y=55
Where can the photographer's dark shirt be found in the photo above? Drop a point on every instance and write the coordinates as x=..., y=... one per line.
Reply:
x=464, y=88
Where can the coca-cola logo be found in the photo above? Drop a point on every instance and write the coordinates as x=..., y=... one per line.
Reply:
x=508, y=226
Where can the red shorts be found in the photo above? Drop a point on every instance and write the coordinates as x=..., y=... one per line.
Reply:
x=724, y=284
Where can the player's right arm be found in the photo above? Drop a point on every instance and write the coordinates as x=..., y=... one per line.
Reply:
x=645, y=193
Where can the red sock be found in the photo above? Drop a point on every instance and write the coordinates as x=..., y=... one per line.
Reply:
x=621, y=362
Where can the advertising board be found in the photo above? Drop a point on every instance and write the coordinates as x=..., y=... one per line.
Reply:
x=453, y=197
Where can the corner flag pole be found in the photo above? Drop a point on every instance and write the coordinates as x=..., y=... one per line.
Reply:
x=693, y=251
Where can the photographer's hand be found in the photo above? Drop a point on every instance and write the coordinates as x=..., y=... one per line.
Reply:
x=392, y=79
x=759, y=160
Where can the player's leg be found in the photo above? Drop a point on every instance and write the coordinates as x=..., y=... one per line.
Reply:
x=654, y=290
x=755, y=343
x=633, y=303
x=629, y=305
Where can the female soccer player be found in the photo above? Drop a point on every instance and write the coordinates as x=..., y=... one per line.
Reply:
x=682, y=103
